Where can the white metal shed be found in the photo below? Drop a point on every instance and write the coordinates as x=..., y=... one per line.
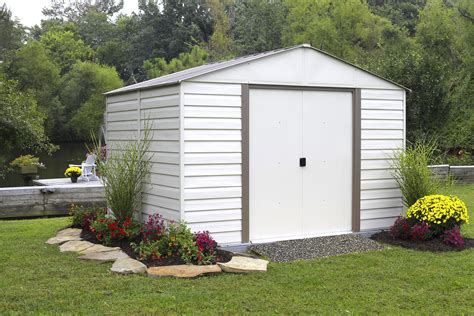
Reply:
x=284, y=144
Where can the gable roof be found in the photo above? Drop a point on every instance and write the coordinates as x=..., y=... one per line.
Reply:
x=180, y=76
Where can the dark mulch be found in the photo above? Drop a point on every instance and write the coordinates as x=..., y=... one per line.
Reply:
x=125, y=245
x=308, y=248
x=435, y=245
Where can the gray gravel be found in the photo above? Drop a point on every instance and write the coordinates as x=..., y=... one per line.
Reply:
x=290, y=250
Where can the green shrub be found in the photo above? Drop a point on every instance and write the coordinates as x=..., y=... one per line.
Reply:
x=412, y=174
x=440, y=212
x=82, y=216
x=123, y=172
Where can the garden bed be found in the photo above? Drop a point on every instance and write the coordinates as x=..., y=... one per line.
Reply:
x=125, y=245
x=434, y=245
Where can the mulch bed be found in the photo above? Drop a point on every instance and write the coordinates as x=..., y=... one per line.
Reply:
x=291, y=250
x=222, y=255
x=435, y=245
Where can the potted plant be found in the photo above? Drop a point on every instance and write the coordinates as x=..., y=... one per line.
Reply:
x=73, y=173
x=27, y=164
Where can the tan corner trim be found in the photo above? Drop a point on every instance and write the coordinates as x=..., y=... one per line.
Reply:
x=245, y=163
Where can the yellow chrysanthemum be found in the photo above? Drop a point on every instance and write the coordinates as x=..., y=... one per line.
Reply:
x=437, y=209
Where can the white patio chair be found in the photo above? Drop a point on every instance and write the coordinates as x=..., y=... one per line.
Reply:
x=88, y=169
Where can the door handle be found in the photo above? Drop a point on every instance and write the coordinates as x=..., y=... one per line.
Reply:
x=302, y=162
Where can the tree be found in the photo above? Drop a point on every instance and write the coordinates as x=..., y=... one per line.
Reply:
x=347, y=29
x=11, y=32
x=221, y=44
x=66, y=48
x=258, y=25
x=82, y=97
x=405, y=14
x=159, y=67
x=21, y=123
x=75, y=10
x=35, y=72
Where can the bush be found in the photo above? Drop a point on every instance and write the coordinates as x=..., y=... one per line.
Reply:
x=161, y=241
x=153, y=228
x=441, y=212
x=83, y=216
x=207, y=248
x=108, y=229
x=126, y=167
x=412, y=174
x=453, y=237
x=421, y=232
x=401, y=229
x=176, y=240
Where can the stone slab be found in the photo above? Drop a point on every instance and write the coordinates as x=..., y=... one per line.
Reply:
x=76, y=232
x=61, y=239
x=105, y=256
x=183, y=271
x=244, y=265
x=128, y=266
x=98, y=248
x=75, y=246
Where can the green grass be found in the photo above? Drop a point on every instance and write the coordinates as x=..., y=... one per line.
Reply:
x=36, y=278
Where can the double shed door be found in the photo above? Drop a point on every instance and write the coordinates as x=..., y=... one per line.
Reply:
x=287, y=199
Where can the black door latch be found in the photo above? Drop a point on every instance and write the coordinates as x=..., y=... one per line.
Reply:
x=302, y=162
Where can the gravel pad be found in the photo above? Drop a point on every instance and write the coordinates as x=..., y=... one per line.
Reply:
x=289, y=250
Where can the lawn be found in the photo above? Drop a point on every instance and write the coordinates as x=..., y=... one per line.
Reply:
x=36, y=278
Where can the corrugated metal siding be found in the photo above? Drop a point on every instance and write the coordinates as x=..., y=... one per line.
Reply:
x=213, y=159
x=382, y=132
x=161, y=108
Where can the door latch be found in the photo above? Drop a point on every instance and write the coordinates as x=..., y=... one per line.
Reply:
x=302, y=162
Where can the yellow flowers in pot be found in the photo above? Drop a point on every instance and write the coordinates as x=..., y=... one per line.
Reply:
x=72, y=172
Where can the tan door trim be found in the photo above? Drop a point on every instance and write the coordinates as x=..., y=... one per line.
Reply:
x=356, y=145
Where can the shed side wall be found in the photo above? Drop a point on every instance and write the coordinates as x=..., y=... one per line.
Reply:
x=382, y=132
x=160, y=108
x=213, y=159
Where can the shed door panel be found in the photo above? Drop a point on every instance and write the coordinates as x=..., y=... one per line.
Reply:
x=327, y=177
x=275, y=179
x=286, y=200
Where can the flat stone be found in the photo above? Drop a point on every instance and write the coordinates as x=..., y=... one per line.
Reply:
x=98, y=248
x=76, y=232
x=183, y=271
x=244, y=265
x=75, y=246
x=105, y=256
x=128, y=266
x=61, y=239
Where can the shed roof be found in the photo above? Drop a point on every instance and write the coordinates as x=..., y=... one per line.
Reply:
x=180, y=76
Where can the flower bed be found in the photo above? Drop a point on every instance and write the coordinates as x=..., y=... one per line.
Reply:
x=433, y=223
x=156, y=243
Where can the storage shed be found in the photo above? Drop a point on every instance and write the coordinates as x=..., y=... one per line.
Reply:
x=284, y=144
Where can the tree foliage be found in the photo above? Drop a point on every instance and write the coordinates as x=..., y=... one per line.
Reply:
x=21, y=123
x=159, y=67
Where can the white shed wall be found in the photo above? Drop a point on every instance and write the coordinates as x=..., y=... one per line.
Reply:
x=161, y=107
x=213, y=159
x=382, y=132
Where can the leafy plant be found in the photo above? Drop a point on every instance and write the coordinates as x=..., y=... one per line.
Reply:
x=441, y=212
x=107, y=229
x=207, y=248
x=124, y=171
x=73, y=172
x=26, y=160
x=176, y=240
x=421, y=231
x=453, y=237
x=412, y=174
x=82, y=216
x=400, y=229
x=154, y=228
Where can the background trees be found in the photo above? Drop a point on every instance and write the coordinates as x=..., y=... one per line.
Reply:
x=86, y=47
